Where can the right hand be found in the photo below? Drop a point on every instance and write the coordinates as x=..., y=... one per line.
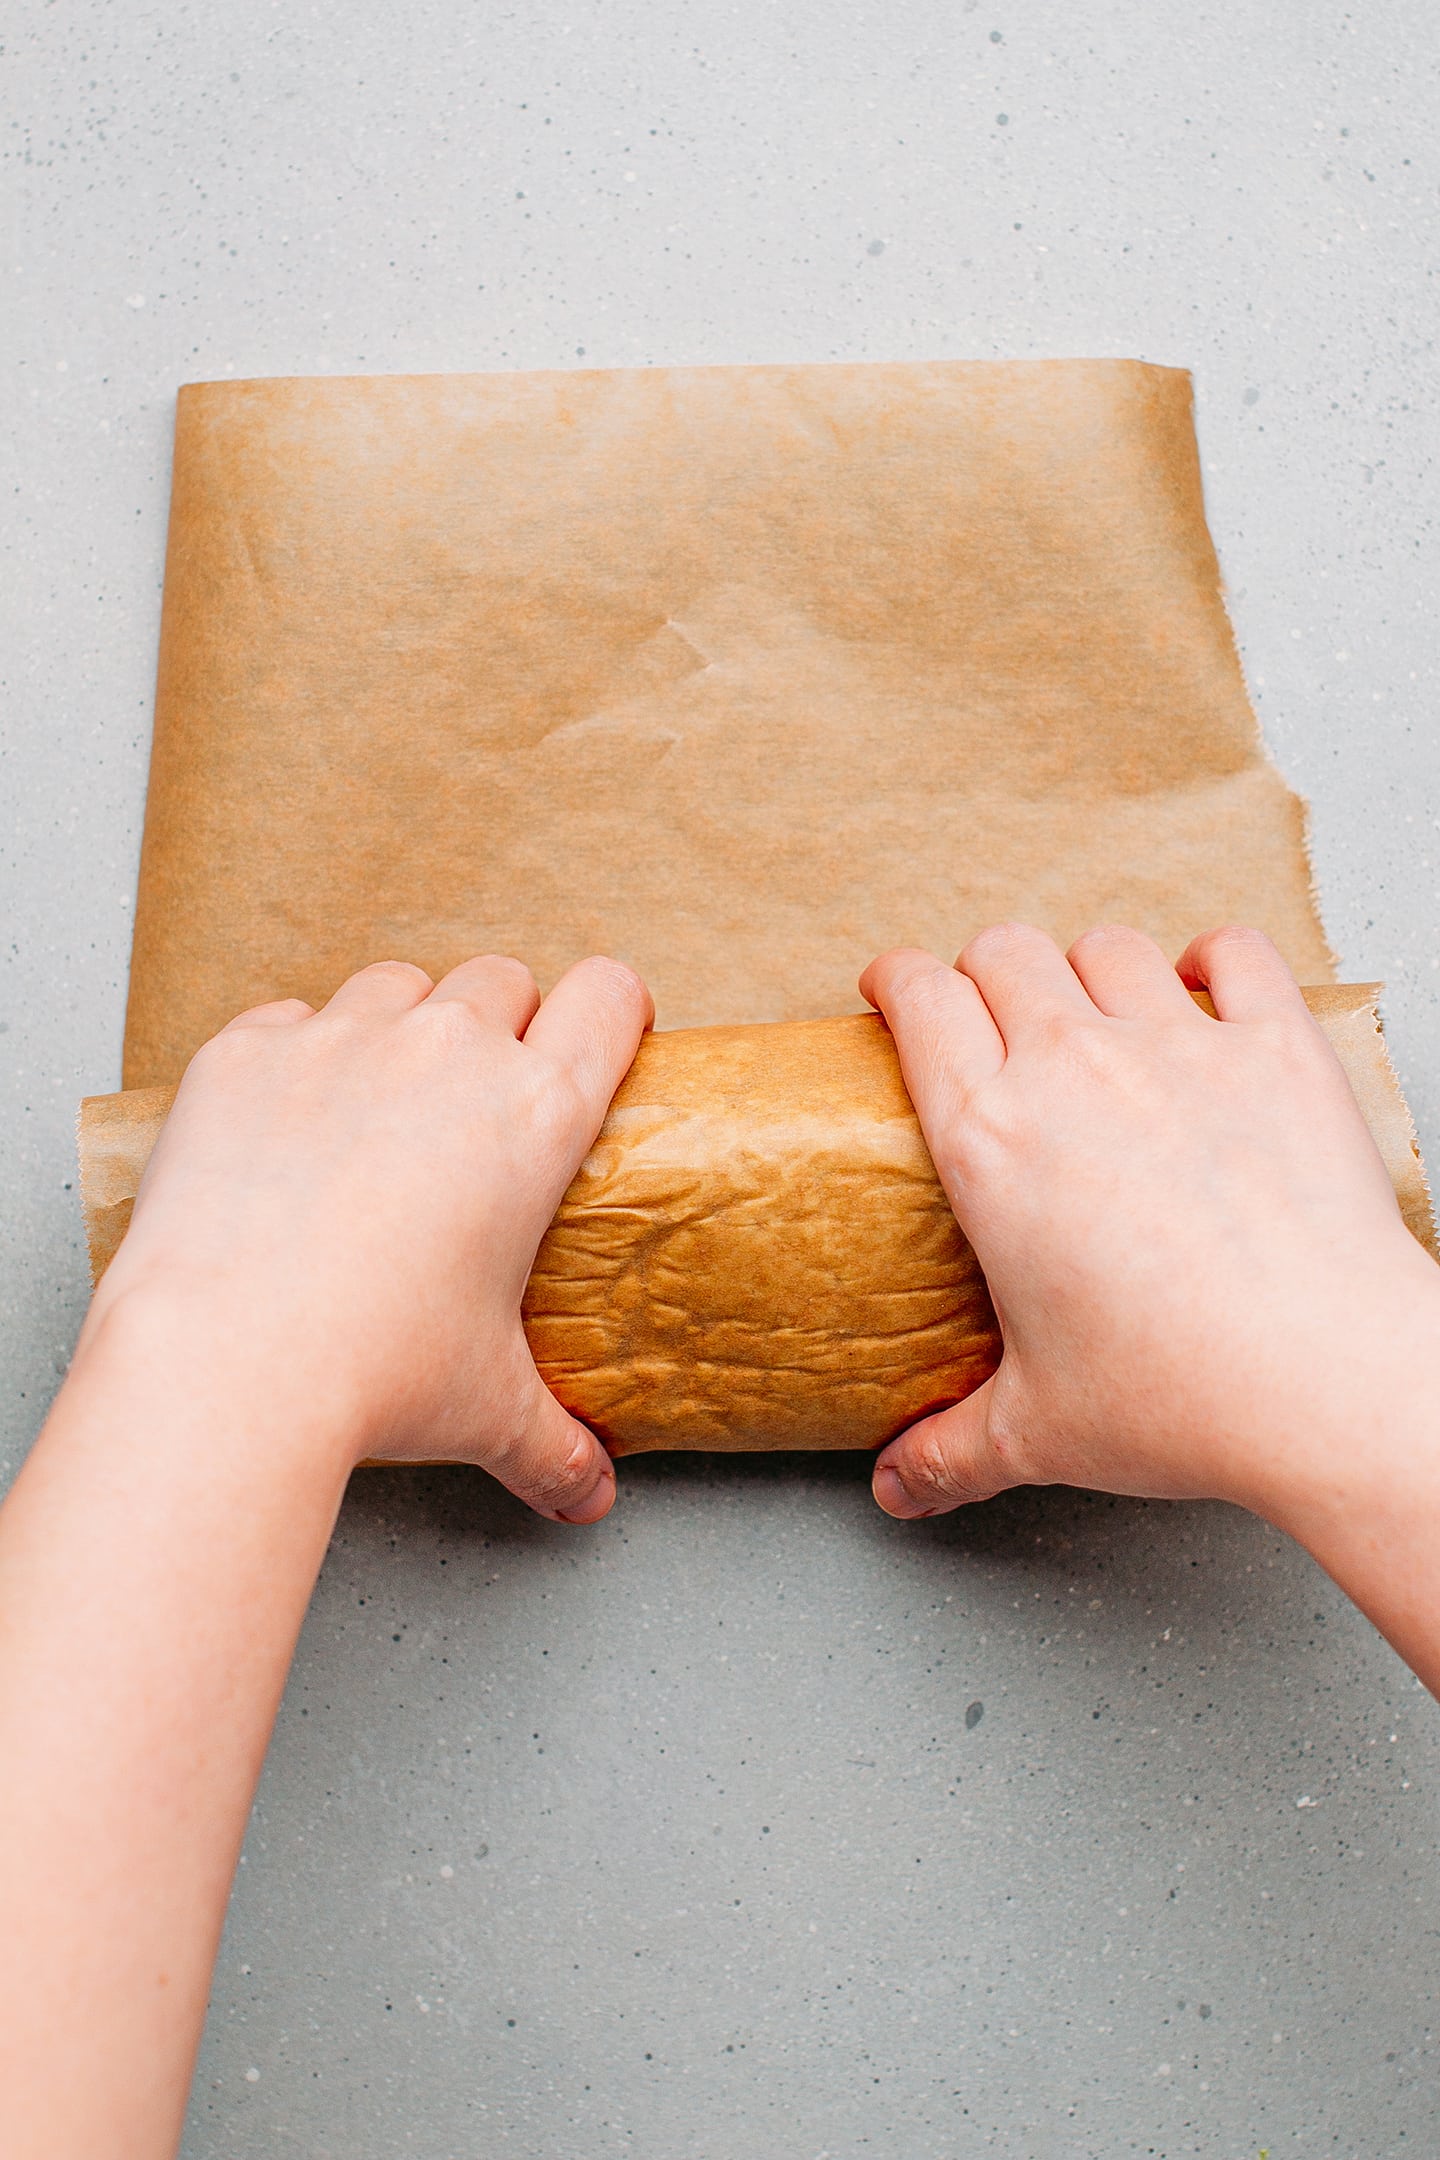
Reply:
x=1202, y=1279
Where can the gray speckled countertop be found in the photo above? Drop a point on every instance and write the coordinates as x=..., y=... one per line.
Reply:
x=752, y=1824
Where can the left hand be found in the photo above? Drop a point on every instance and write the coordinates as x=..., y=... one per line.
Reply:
x=348, y=1202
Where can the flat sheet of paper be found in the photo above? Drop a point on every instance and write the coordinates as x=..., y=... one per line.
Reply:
x=742, y=674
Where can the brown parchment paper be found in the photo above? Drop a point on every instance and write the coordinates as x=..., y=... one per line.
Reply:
x=757, y=1251
x=742, y=674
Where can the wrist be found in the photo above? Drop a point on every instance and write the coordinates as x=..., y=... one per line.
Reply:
x=1370, y=1515
x=197, y=1365
x=1356, y=1443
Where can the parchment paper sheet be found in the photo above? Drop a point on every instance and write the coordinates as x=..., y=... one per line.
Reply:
x=757, y=1251
x=741, y=674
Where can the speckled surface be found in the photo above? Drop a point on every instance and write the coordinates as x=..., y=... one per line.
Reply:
x=684, y=1837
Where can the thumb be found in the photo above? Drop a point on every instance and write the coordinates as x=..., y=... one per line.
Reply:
x=943, y=1461
x=551, y=1461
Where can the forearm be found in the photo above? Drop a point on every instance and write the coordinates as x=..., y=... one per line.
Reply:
x=1382, y=1546
x=1359, y=1482
x=156, y=1556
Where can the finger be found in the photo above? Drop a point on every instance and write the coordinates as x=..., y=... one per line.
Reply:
x=942, y=1030
x=943, y=1462
x=1127, y=975
x=555, y=1464
x=280, y=1012
x=1024, y=978
x=384, y=988
x=1243, y=972
x=590, y=1026
x=495, y=989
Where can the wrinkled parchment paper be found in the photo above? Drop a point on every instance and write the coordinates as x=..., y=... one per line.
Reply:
x=740, y=674
x=757, y=1251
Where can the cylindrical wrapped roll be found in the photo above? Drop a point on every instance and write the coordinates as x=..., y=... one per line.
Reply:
x=756, y=1253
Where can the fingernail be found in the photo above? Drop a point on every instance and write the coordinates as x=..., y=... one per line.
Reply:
x=595, y=1503
x=893, y=1497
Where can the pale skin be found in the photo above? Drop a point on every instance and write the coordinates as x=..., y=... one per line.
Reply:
x=1204, y=1287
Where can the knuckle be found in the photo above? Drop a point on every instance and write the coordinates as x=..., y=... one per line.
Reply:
x=926, y=991
x=219, y=1052
x=997, y=940
x=979, y=1132
x=392, y=971
x=546, y=1106
x=560, y=1107
x=1070, y=1035
x=615, y=979
x=1235, y=938
x=903, y=980
x=1102, y=937
x=567, y=1475
x=1093, y=1043
x=930, y=1467
x=234, y=1047
x=1094, y=1053
x=291, y=1008
x=455, y=1023
x=509, y=968
x=1296, y=1047
x=904, y=963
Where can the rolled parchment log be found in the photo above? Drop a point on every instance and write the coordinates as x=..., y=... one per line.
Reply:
x=756, y=1253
